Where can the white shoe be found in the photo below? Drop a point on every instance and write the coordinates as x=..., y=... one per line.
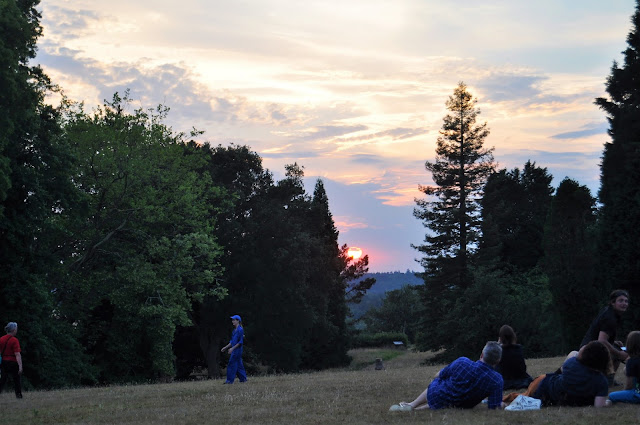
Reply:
x=402, y=407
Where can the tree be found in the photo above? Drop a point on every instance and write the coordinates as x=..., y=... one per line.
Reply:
x=146, y=250
x=514, y=210
x=460, y=171
x=399, y=312
x=36, y=194
x=570, y=259
x=247, y=185
x=619, y=222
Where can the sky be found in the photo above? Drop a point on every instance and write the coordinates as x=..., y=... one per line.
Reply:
x=353, y=90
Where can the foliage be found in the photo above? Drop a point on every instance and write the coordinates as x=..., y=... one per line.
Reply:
x=400, y=312
x=36, y=193
x=619, y=221
x=571, y=260
x=522, y=301
x=514, y=209
x=145, y=251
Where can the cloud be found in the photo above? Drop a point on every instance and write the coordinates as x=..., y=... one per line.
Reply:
x=580, y=166
x=507, y=87
x=589, y=131
x=323, y=132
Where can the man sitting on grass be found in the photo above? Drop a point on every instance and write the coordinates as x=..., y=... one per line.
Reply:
x=463, y=383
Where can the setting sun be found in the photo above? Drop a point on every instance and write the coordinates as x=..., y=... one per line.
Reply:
x=354, y=252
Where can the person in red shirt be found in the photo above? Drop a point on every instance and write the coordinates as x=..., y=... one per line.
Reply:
x=11, y=358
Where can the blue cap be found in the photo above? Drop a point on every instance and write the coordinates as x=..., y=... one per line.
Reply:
x=237, y=318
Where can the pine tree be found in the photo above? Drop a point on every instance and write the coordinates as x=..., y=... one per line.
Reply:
x=619, y=236
x=460, y=171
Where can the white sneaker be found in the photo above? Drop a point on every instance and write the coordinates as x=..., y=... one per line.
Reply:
x=400, y=408
x=522, y=402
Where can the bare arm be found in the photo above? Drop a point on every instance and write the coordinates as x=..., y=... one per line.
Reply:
x=19, y=360
x=616, y=354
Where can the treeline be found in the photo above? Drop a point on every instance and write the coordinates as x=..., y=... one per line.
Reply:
x=125, y=246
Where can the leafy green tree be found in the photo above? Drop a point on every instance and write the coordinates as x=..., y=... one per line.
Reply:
x=400, y=312
x=36, y=194
x=460, y=171
x=570, y=260
x=146, y=251
x=514, y=210
x=521, y=300
x=619, y=223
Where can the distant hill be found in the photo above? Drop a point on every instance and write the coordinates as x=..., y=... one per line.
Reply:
x=385, y=282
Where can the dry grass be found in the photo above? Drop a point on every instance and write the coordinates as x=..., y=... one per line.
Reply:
x=338, y=396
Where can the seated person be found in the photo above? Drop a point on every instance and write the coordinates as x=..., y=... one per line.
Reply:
x=463, y=383
x=583, y=381
x=512, y=366
x=604, y=328
x=631, y=392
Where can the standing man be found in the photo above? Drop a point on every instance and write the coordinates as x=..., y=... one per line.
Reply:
x=463, y=383
x=11, y=358
x=605, y=325
x=235, y=366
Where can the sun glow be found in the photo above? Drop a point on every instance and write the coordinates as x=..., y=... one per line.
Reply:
x=354, y=252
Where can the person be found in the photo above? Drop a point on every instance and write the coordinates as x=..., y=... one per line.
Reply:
x=11, y=358
x=512, y=366
x=235, y=366
x=463, y=383
x=631, y=392
x=604, y=328
x=582, y=381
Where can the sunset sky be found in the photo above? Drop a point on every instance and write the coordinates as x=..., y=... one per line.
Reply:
x=353, y=90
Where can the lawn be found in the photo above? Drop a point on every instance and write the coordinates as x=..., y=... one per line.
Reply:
x=359, y=395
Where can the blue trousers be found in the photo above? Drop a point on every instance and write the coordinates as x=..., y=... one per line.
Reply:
x=235, y=367
x=625, y=396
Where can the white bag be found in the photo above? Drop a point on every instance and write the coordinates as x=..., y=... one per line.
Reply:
x=522, y=402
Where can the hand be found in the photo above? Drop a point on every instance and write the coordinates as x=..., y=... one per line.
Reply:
x=230, y=350
x=222, y=349
x=20, y=371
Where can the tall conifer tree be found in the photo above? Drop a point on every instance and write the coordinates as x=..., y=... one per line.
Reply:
x=460, y=171
x=619, y=238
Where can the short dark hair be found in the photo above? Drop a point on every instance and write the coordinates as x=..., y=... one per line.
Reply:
x=633, y=343
x=507, y=335
x=595, y=356
x=613, y=296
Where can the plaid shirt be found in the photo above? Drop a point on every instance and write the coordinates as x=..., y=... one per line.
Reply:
x=465, y=383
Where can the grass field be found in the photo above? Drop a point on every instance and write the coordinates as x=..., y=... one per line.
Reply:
x=358, y=395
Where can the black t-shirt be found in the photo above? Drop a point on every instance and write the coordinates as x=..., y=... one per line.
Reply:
x=512, y=365
x=606, y=321
x=632, y=370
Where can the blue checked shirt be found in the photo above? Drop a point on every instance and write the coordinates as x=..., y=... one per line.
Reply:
x=465, y=383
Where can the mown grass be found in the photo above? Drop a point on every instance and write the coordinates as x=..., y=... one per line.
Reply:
x=329, y=397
